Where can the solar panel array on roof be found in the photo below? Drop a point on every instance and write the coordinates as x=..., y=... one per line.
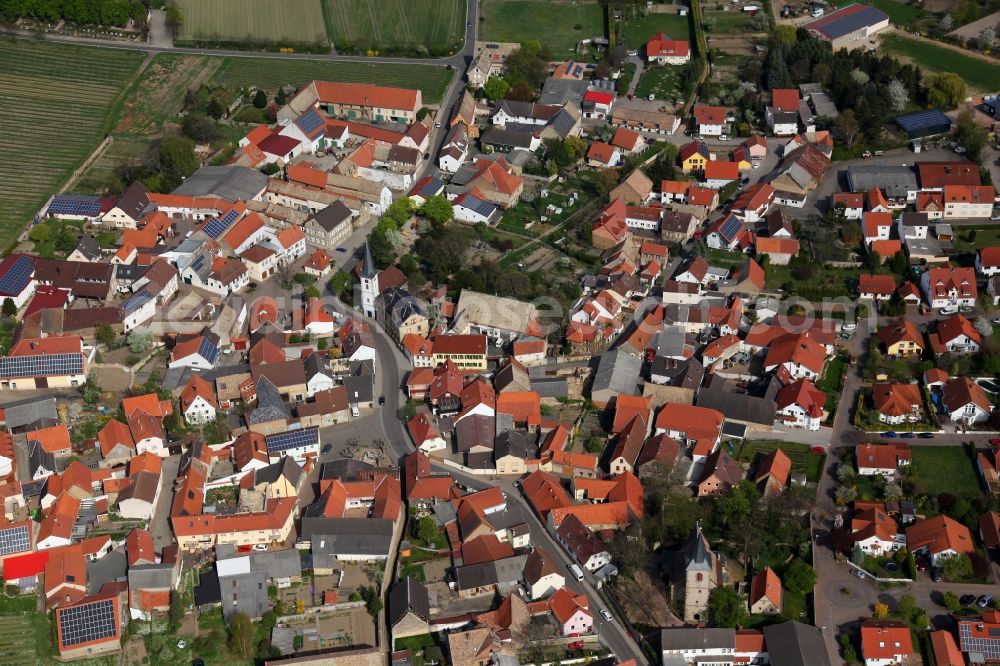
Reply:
x=847, y=21
x=14, y=540
x=292, y=439
x=730, y=228
x=989, y=648
x=309, y=122
x=18, y=276
x=46, y=365
x=208, y=351
x=431, y=187
x=87, y=622
x=218, y=226
x=924, y=123
x=484, y=208
x=198, y=263
x=136, y=301
x=74, y=204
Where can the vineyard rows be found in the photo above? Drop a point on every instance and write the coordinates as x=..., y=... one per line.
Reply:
x=56, y=99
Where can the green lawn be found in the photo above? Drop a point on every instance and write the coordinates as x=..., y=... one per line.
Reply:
x=270, y=73
x=637, y=33
x=832, y=384
x=969, y=240
x=899, y=13
x=803, y=461
x=660, y=81
x=556, y=24
x=823, y=282
x=977, y=73
x=414, y=571
x=946, y=469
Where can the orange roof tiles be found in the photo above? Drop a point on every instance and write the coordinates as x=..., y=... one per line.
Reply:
x=766, y=584
x=884, y=640
x=695, y=422
x=305, y=174
x=197, y=388
x=601, y=152
x=365, y=95
x=149, y=403
x=545, y=492
x=710, y=115
x=776, y=465
x=628, y=407
x=52, y=439
x=939, y=534
x=896, y=399
x=523, y=406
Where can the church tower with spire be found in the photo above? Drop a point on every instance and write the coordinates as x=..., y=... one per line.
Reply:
x=369, y=284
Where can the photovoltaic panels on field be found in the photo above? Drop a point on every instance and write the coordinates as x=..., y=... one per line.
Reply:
x=309, y=122
x=87, y=622
x=14, y=540
x=988, y=647
x=136, y=301
x=218, y=226
x=730, y=228
x=45, y=365
x=17, y=276
x=292, y=439
x=75, y=205
x=208, y=351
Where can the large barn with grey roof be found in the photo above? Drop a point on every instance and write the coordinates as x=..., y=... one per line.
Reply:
x=849, y=25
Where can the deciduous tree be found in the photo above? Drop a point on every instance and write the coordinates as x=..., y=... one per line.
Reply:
x=726, y=608
x=945, y=90
x=241, y=634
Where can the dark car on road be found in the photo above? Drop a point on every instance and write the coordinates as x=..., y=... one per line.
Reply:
x=926, y=435
x=381, y=400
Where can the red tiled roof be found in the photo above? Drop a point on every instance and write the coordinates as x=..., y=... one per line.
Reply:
x=710, y=115
x=52, y=439
x=601, y=152
x=661, y=45
x=306, y=175
x=884, y=639
x=938, y=535
x=365, y=95
x=785, y=99
x=879, y=285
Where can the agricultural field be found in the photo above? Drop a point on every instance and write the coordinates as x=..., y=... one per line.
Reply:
x=978, y=74
x=557, y=24
x=424, y=27
x=57, y=99
x=270, y=73
x=289, y=22
x=638, y=32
